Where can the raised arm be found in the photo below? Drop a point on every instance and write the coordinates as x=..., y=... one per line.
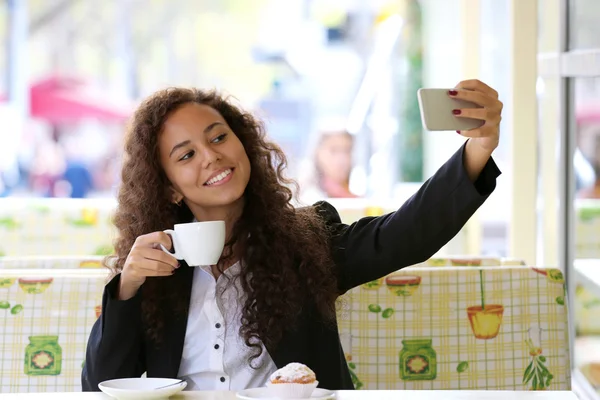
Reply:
x=376, y=246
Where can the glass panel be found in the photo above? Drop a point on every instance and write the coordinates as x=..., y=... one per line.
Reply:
x=587, y=219
x=584, y=30
x=587, y=167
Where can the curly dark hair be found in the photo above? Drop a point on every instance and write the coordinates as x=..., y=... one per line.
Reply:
x=287, y=262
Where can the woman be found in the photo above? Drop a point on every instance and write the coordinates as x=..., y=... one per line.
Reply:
x=271, y=298
x=329, y=174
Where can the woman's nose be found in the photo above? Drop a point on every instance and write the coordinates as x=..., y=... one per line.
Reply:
x=209, y=156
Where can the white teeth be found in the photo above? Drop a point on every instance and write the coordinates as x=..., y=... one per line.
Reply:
x=219, y=177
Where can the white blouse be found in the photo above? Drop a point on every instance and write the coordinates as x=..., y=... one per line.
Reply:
x=215, y=356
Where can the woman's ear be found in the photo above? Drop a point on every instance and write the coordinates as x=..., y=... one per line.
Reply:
x=176, y=197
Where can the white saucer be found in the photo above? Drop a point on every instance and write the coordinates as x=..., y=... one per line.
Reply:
x=264, y=393
x=141, y=388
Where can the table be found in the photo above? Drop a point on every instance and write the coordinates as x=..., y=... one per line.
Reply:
x=341, y=395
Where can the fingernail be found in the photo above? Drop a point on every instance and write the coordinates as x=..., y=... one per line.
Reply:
x=178, y=265
x=456, y=112
x=458, y=132
x=452, y=92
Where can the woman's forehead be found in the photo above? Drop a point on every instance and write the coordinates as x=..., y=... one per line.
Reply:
x=193, y=114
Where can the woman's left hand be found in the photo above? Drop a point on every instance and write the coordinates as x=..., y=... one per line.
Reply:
x=487, y=136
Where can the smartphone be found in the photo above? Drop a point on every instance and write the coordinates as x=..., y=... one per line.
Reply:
x=436, y=111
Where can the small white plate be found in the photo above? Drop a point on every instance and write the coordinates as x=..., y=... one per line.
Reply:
x=264, y=393
x=141, y=388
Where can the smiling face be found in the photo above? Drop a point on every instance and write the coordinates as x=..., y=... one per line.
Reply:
x=205, y=162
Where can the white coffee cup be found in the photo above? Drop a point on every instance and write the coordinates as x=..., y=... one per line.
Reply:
x=198, y=243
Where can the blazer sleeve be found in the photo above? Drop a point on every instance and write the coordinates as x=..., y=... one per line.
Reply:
x=115, y=347
x=374, y=247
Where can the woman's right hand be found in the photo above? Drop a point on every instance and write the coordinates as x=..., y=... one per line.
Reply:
x=146, y=259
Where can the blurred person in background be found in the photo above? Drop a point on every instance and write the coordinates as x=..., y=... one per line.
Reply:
x=46, y=169
x=333, y=163
x=79, y=178
x=593, y=192
x=106, y=175
x=76, y=180
x=327, y=173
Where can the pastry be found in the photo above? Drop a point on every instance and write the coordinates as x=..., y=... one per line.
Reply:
x=294, y=381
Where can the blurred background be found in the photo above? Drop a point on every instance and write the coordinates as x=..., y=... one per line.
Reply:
x=335, y=82
x=326, y=76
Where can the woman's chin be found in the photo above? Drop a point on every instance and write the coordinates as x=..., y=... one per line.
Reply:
x=221, y=199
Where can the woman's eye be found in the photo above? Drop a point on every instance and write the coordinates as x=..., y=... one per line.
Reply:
x=219, y=138
x=187, y=155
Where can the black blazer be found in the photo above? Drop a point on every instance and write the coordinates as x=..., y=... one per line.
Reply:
x=363, y=251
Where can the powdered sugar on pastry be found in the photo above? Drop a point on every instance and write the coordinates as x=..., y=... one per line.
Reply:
x=293, y=373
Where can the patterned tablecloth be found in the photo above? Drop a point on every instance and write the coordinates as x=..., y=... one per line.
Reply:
x=421, y=328
x=428, y=328
x=46, y=317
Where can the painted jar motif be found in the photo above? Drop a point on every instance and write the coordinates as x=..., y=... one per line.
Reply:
x=43, y=356
x=418, y=360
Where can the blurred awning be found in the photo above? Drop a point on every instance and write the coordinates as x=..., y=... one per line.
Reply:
x=59, y=100
x=588, y=113
x=65, y=100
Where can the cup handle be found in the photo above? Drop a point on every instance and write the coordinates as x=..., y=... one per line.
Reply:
x=171, y=233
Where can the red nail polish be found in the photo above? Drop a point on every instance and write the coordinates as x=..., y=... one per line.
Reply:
x=458, y=132
x=456, y=112
x=452, y=92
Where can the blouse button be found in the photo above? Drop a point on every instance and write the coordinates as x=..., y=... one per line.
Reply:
x=216, y=347
x=217, y=325
x=222, y=379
